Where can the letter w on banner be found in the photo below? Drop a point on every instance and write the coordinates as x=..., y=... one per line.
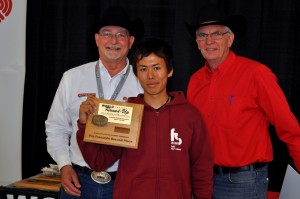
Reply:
x=12, y=75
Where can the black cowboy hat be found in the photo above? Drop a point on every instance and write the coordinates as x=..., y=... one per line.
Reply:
x=118, y=16
x=212, y=15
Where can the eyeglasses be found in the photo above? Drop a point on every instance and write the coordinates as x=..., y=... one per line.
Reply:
x=215, y=35
x=118, y=35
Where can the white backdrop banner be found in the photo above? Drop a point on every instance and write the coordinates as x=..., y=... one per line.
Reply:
x=12, y=75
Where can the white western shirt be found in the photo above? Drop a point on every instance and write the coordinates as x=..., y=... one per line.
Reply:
x=61, y=124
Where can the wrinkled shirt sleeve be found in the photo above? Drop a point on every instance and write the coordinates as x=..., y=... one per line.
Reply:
x=59, y=127
x=277, y=110
x=98, y=156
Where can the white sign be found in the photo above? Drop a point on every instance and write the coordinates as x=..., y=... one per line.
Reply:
x=12, y=75
x=291, y=185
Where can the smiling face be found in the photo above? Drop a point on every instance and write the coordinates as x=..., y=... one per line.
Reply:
x=113, y=43
x=214, y=51
x=153, y=75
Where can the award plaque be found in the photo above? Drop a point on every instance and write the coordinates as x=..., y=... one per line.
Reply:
x=116, y=123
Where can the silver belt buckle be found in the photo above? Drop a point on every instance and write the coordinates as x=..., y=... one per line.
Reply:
x=101, y=177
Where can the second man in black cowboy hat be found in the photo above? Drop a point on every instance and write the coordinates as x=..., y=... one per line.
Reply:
x=238, y=98
x=110, y=77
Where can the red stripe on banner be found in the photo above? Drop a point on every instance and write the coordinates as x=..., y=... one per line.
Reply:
x=9, y=7
x=5, y=8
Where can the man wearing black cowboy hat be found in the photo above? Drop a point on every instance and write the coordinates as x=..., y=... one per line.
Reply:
x=110, y=77
x=238, y=98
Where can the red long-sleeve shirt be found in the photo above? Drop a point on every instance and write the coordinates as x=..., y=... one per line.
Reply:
x=238, y=101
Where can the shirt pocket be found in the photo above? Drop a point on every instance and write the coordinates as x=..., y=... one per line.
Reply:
x=237, y=110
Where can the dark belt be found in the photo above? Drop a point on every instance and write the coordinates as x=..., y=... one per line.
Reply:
x=250, y=167
x=88, y=171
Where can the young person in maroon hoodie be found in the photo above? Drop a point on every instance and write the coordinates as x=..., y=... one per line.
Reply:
x=174, y=157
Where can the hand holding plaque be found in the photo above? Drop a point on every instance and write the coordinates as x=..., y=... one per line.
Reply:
x=116, y=123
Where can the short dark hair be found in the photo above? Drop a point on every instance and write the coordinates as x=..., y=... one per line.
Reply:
x=153, y=45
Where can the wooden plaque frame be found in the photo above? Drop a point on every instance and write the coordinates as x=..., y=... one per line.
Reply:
x=116, y=133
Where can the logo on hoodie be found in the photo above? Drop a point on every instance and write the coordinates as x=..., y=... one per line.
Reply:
x=175, y=140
